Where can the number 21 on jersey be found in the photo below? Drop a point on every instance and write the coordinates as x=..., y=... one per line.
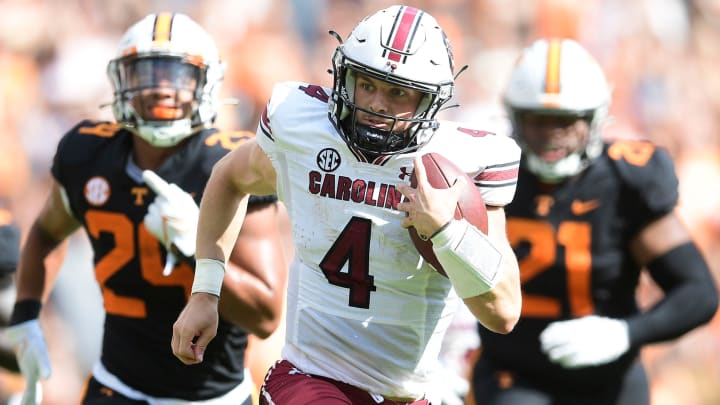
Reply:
x=544, y=240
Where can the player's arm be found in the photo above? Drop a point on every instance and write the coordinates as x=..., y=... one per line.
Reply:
x=244, y=171
x=482, y=268
x=673, y=260
x=663, y=246
x=499, y=308
x=254, y=284
x=51, y=227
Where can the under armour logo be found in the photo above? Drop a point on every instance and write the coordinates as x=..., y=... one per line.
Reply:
x=404, y=172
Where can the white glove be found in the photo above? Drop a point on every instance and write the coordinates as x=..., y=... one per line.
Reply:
x=588, y=341
x=172, y=218
x=32, y=356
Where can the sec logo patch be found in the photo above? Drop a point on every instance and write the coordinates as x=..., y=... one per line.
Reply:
x=97, y=191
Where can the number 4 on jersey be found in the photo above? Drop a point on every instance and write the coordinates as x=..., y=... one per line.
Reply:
x=352, y=247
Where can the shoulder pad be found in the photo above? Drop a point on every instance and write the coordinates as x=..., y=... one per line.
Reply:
x=211, y=145
x=292, y=104
x=81, y=143
x=97, y=129
x=648, y=172
x=491, y=160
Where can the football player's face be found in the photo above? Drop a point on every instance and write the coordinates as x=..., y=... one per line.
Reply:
x=166, y=90
x=164, y=103
x=553, y=137
x=387, y=99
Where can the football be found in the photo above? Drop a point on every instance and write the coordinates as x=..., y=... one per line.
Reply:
x=442, y=173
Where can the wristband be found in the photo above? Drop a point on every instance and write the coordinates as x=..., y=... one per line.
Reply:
x=209, y=274
x=471, y=261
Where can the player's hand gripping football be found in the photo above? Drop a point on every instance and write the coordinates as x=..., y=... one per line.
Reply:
x=588, y=341
x=172, y=218
x=428, y=208
x=32, y=356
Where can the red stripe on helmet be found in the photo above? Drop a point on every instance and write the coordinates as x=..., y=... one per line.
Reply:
x=402, y=32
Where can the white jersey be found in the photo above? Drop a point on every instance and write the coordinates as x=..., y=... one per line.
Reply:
x=363, y=307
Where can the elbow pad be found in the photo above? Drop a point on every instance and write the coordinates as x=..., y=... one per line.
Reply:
x=473, y=264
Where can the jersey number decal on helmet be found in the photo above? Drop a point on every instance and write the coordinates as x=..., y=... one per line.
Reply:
x=151, y=264
x=575, y=237
x=352, y=247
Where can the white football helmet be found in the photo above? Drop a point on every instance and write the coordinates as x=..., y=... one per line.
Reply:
x=558, y=77
x=166, y=50
x=404, y=46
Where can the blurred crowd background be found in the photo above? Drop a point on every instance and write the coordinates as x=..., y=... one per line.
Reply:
x=661, y=56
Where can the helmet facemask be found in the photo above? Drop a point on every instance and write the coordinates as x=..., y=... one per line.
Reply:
x=582, y=149
x=373, y=141
x=139, y=81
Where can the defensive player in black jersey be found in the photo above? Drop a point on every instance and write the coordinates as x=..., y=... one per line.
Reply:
x=587, y=218
x=134, y=186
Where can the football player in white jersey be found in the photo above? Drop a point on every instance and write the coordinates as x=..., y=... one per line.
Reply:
x=366, y=315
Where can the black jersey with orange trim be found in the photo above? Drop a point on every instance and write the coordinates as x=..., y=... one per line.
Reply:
x=108, y=196
x=572, y=244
